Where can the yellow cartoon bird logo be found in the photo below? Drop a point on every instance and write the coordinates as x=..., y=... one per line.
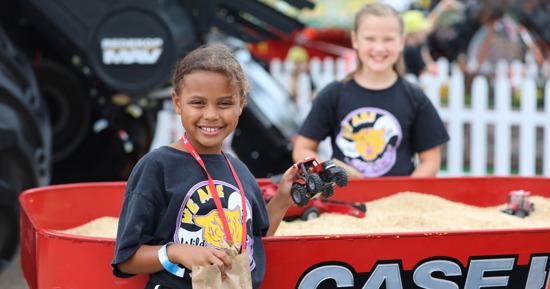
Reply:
x=213, y=228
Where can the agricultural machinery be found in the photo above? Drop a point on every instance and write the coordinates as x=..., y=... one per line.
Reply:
x=82, y=83
x=316, y=206
x=519, y=204
x=315, y=178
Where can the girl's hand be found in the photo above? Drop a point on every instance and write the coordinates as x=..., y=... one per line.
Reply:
x=285, y=185
x=277, y=206
x=189, y=256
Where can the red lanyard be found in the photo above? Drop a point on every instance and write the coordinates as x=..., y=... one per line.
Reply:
x=215, y=195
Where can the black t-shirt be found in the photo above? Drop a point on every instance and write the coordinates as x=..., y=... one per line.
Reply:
x=167, y=200
x=413, y=59
x=376, y=131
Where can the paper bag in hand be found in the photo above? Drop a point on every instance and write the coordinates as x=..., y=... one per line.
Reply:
x=239, y=277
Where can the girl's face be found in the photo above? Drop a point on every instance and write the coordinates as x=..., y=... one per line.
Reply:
x=209, y=109
x=379, y=42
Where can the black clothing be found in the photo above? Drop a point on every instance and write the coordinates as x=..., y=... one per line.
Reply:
x=376, y=131
x=413, y=59
x=167, y=200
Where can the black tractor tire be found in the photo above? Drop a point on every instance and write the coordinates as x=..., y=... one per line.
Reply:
x=328, y=191
x=9, y=222
x=299, y=195
x=341, y=178
x=314, y=184
x=521, y=214
x=361, y=206
x=326, y=176
x=310, y=214
x=69, y=107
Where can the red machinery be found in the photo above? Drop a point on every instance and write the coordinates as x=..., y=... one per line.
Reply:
x=506, y=258
x=315, y=178
x=519, y=204
x=317, y=206
x=81, y=83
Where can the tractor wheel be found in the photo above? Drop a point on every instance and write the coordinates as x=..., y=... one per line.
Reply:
x=328, y=191
x=299, y=195
x=341, y=178
x=314, y=183
x=9, y=223
x=361, y=206
x=521, y=213
x=326, y=176
x=310, y=214
x=69, y=107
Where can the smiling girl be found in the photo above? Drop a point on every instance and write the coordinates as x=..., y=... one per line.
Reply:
x=378, y=122
x=184, y=201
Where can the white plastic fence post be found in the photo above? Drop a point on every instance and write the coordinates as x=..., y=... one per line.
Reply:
x=456, y=106
x=516, y=76
x=315, y=69
x=443, y=68
x=546, y=141
x=431, y=86
x=478, y=143
x=303, y=95
x=340, y=68
x=527, y=133
x=503, y=100
x=327, y=72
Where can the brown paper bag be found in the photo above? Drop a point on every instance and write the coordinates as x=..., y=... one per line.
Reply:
x=239, y=277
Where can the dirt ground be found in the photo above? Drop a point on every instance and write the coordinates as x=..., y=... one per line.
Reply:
x=11, y=276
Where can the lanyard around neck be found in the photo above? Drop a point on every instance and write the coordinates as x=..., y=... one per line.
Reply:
x=215, y=195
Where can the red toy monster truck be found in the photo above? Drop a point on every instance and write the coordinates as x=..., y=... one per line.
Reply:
x=315, y=178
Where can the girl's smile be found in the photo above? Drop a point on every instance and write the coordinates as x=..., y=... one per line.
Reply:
x=378, y=42
x=209, y=108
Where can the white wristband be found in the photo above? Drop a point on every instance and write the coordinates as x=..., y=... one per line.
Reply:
x=169, y=266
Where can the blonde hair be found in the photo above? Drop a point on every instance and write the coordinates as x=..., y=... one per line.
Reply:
x=380, y=10
x=216, y=57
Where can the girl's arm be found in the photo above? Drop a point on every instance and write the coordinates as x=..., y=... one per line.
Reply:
x=429, y=163
x=279, y=204
x=146, y=260
x=304, y=147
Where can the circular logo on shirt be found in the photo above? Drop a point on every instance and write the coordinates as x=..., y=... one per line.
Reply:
x=369, y=138
x=199, y=222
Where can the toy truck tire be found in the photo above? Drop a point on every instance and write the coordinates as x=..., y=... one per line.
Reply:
x=531, y=209
x=299, y=195
x=310, y=214
x=326, y=175
x=328, y=191
x=314, y=183
x=341, y=178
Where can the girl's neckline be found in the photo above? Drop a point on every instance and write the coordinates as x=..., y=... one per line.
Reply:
x=177, y=145
x=177, y=150
x=374, y=83
x=393, y=84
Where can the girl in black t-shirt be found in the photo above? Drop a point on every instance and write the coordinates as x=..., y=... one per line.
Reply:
x=379, y=124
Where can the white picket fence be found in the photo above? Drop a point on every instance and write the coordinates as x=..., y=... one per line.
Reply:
x=497, y=139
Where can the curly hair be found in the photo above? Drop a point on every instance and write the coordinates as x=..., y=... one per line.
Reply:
x=215, y=57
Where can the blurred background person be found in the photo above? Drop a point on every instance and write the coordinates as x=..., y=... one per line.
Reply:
x=418, y=28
